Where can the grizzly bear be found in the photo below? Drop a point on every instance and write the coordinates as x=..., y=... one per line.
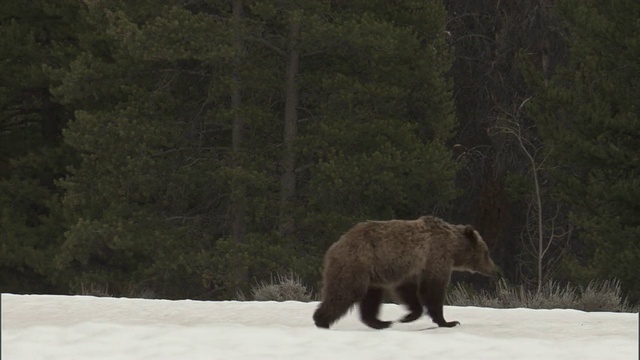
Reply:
x=413, y=259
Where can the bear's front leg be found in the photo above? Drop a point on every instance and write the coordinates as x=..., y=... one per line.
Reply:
x=432, y=293
x=408, y=294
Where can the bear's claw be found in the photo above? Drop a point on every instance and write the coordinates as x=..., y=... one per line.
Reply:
x=449, y=324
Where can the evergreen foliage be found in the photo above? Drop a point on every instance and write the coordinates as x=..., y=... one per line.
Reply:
x=589, y=116
x=35, y=37
x=190, y=149
x=148, y=205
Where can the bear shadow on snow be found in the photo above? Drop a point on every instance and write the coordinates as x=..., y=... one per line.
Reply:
x=412, y=259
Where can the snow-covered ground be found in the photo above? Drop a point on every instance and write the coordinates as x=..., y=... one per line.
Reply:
x=81, y=327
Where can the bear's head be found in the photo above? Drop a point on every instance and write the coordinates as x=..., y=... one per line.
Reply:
x=472, y=253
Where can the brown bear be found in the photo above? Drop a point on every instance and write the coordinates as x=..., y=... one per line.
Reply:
x=412, y=258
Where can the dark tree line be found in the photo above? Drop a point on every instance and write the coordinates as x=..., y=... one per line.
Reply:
x=190, y=148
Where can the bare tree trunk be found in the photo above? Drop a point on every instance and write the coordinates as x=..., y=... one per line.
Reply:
x=238, y=191
x=515, y=130
x=538, y=200
x=237, y=134
x=536, y=185
x=288, y=177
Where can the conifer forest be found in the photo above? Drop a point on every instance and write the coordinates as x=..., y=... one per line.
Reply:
x=191, y=148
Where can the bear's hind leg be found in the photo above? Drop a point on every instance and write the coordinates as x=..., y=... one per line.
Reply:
x=338, y=296
x=432, y=292
x=331, y=310
x=321, y=318
x=370, y=307
x=408, y=293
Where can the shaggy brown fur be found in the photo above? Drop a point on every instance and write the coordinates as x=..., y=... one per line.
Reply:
x=413, y=258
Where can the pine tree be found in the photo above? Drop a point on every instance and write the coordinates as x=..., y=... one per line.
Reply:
x=212, y=137
x=35, y=38
x=384, y=114
x=144, y=203
x=589, y=115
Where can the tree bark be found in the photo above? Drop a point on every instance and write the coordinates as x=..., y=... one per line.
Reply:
x=239, y=275
x=238, y=196
x=288, y=177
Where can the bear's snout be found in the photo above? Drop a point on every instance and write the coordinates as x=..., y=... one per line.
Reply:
x=492, y=270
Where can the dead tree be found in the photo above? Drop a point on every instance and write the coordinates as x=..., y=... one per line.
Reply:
x=543, y=231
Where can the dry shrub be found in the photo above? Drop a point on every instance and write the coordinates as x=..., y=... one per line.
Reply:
x=282, y=288
x=93, y=289
x=596, y=296
x=604, y=296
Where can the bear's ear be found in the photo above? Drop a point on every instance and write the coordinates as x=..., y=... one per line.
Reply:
x=469, y=232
